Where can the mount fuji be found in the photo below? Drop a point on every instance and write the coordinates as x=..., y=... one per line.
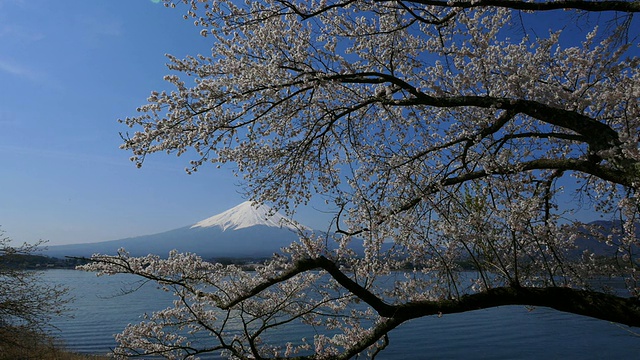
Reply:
x=245, y=231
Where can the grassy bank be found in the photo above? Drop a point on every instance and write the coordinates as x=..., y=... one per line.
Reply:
x=21, y=344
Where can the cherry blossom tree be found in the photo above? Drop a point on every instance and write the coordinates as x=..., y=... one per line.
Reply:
x=444, y=134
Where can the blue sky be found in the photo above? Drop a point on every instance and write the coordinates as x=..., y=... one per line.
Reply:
x=68, y=70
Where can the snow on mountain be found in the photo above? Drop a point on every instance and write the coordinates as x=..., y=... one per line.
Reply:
x=247, y=215
x=243, y=231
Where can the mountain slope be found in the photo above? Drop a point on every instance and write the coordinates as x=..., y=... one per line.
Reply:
x=598, y=247
x=246, y=215
x=243, y=231
x=246, y=231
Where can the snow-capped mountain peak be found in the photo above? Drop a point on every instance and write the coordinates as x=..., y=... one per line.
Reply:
x=247, y=215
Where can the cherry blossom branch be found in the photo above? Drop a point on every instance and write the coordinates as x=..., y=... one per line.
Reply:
x=593, y=6
x=306, y=15
x=422, y=19
x=597, y=134
x=596, y=6
x=567, y=164
x=594, y=304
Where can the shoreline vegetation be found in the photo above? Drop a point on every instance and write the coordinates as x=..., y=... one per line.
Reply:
x=38, y=262
x=19, y=343
x=41, y=262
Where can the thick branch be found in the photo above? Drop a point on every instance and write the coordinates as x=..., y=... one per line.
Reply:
x=588, y=167
x=588, y=303
x=595, y=6
x=312, y=264
x=598, y=135
x=581, y=302
x=307, y=15
x=584, y=166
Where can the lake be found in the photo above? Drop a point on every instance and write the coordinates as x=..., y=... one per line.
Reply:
x=511, y=332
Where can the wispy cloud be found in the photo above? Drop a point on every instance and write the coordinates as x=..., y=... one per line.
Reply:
x=19, y=33
x=19, y=70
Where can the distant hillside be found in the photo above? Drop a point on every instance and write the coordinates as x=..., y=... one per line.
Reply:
x=596, y=246
x=243, y=231
x=253, y=232
x=256, y=241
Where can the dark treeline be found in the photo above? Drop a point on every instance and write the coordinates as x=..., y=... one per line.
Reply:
x=37, y=262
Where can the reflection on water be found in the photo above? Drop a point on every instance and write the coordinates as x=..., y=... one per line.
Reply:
x=104, y=306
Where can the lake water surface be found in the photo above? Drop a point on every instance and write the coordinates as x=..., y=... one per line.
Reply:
x=510, y=332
